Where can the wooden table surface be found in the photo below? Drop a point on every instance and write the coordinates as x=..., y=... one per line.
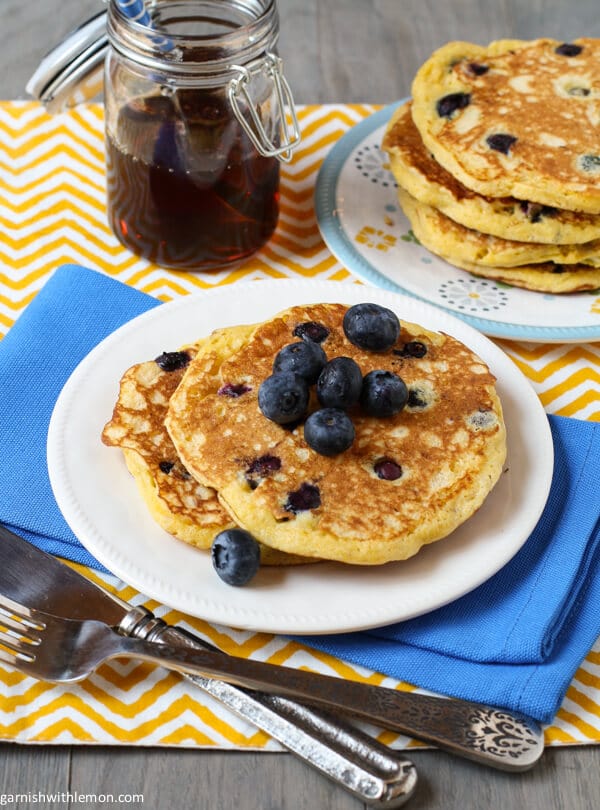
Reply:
x=345, y=51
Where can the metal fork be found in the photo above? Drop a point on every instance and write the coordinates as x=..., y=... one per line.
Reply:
x=56, y=649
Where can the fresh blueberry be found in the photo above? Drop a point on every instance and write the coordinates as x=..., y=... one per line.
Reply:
x=310, y=330
x=568, y=49
x=283, y=397
x=501, y=142
x=172, y=361
x=235, y=556
x=339, y=384
x=329, y=431
x=305, y=358
x=383, y=393
x=306, y=497
x=371, y=326
x=448, y=105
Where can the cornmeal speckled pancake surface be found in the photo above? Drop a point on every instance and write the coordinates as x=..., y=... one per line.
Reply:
x=506, y=217
x=179, y=504
x=448, y=238
x=516, y=118
x=407, y=480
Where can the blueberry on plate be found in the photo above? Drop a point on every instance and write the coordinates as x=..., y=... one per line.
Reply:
x=235, y=556
x=372, y=327
x=305, y=358
x=329, y=431
x=383, y=393
x=340, y=383
x=283, y=397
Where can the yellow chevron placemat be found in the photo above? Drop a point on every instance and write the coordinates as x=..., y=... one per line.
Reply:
x=52, y=211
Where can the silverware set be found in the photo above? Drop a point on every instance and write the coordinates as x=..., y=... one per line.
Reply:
x=56, y=625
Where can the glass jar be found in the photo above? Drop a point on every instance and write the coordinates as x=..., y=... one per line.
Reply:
x=195, y=129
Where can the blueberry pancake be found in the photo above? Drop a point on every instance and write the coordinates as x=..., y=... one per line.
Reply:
x=179, y=504
x=461, y=245
x=516, y=118
x=406, y=479
x=506, y=217
x=548, y=277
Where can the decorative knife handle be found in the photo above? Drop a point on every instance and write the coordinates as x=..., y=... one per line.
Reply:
x=488, y=735
x=366, y=768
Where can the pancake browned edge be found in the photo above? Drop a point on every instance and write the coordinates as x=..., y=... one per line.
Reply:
x=184, y=508
x=421, y=175
x=444, y=236
x=406, y=481
x=470, y=250
x=515, y=118
x=550, y=278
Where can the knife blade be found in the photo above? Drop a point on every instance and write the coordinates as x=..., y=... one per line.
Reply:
x=367, y=769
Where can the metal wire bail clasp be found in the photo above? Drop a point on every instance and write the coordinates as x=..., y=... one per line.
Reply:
x=271, y=66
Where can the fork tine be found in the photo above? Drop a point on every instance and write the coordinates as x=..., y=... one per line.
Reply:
x=27, y=615
x=19, y=633
x=19, y=626
x=18, y=647
x=7, y=657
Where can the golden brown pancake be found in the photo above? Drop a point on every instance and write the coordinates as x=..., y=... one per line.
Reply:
x=180, y=505
x=471, y=249
x=427, y=181
x=407, y=480
x=516, y=118
x=547, y=278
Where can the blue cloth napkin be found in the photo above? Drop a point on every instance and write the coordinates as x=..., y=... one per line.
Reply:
x=74, y=311
x=516, y=641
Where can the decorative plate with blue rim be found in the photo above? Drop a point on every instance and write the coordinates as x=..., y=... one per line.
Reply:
x=363, y=225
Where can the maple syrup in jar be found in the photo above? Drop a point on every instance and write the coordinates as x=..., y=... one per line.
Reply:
x=195, y=131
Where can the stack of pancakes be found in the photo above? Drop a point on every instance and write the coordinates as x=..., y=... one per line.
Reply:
x=497, y=159
x=206, y=458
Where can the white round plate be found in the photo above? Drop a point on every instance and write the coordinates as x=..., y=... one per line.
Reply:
x=100, y=501
x=363, y=225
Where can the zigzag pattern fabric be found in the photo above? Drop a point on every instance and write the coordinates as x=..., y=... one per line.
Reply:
x=52, y=211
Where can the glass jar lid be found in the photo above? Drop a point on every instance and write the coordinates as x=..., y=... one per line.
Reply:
x=72, y=71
